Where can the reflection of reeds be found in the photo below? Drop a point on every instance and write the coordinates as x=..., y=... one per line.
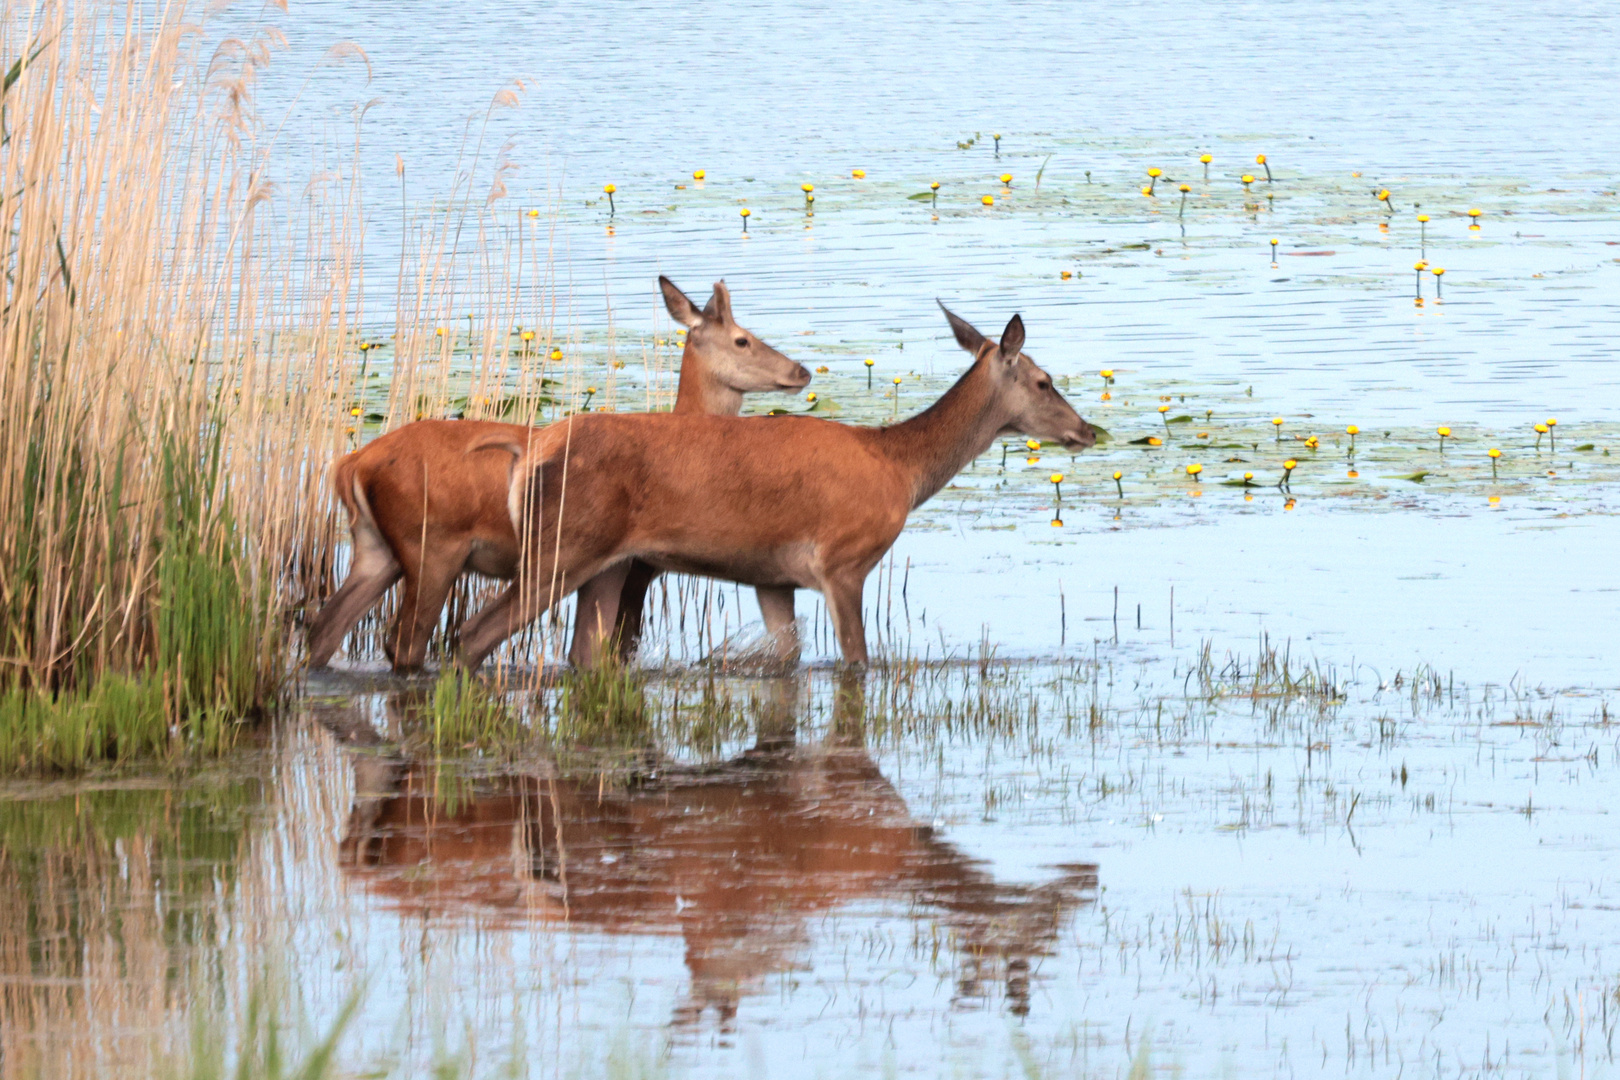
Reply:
x=97, y=971
x=1084, y=739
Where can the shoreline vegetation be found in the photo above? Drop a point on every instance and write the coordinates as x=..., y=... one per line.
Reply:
x=157, y=506
x=178, y=369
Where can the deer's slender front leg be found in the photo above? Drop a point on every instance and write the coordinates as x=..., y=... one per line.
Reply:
x=528, y=598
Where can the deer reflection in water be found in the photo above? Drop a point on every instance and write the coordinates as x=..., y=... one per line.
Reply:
x=736, y=857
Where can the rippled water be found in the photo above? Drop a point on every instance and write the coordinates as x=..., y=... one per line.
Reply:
x=1074, y=869
x=1455, y=107
x=1410, y=873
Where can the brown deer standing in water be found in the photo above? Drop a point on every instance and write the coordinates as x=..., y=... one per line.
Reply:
x=424, y=505
x=778, y=503
x=738, y=857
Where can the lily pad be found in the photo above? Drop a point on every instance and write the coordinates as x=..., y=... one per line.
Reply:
x=1587, y=446
x=921, y=196
x=1179, y=420
x=1416, y=478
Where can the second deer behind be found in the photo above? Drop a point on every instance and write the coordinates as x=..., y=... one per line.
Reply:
x=425, y=505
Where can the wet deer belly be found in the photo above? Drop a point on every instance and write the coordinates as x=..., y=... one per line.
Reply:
x=496, y=560
x=771, y=567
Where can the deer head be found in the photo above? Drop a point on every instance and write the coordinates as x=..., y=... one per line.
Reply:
x=729, y=357
x=1030, y=402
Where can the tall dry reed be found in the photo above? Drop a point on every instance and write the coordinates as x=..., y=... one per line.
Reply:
x=167, y=384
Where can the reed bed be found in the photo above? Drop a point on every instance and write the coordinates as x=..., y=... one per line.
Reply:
x=163, y=380
x=181, y=358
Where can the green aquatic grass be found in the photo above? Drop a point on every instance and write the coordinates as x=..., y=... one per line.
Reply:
x=214, y=638
x=463, y=713
x=603, y=705
x=211, y=643
x=606, y=707
x=609, y=721
x=261, y=1050
x=259, y=1047
x=116, y=719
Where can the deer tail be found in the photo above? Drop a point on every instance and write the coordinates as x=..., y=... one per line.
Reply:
x=527, y=454
x=346, y=486
x=516, y=447
x=349, y=484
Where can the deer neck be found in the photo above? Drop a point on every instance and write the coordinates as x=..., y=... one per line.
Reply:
x=698, y=391
x=944, y=438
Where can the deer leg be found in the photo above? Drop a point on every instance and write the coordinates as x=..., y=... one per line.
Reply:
x=776, y=606
x=596, y=616
x=558, y=560
x=632, y=603
x=422, y=604
x=510, y=612
x=374, y=572
x=522, y=603
x=495, y=609
x=844, y=605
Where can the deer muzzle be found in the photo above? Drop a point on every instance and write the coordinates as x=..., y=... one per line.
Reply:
x=1079, y=438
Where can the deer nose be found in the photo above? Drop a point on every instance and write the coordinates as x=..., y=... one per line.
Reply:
x=1081, y=437
x=799, y=376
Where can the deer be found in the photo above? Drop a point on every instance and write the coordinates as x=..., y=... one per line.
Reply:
x=779, y=503
x=425, y=504
x=739, y=857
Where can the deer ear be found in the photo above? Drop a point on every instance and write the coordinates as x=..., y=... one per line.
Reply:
x=1012, y=339
x=718, y=309
x=680, y=307
x=966, y=336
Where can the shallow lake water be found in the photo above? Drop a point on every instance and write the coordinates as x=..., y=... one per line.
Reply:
x=1215, y=863
x=1098, y=826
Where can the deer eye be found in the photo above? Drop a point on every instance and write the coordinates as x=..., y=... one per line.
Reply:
x=1043, y=384
x=742, y=343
